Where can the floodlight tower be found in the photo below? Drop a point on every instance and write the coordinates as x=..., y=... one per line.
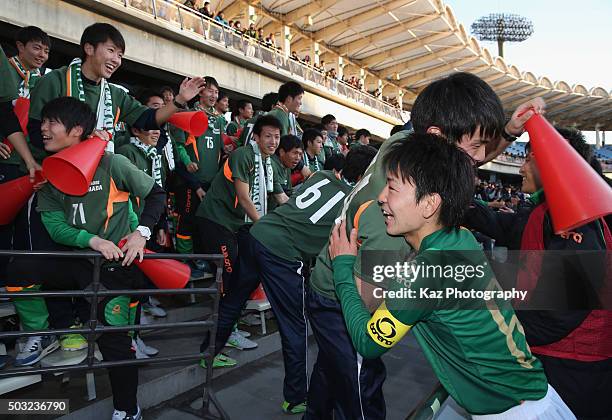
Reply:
x=502, y=27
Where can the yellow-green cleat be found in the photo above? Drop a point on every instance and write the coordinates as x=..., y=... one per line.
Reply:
x=293, y=408
x=73, y=342
x=220, y=361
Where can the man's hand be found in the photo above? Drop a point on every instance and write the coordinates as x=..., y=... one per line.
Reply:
x=200, y=193
x=32, y=167
x=5, y=151
x=189, y=89
x=516, y=125
x=109, y=250
x=161, y=237
x=133, y=246
x=192, y=167
x=339, y=244
x=103, y=134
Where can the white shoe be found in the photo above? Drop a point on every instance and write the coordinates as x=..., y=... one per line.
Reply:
x=243, y=333
x=35, y=349
x=156, y=311
x=240, y=342
x=154, y=301
x=122, y=415
x=148, y=350
x=250, y=319
x=138, y=352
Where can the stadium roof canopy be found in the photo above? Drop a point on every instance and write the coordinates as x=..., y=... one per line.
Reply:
x=409, y=43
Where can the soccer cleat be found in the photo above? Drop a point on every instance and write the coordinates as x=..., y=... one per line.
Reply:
x=35, y=349
x=148, y=350
x=122, y=415
x=220, y=361
x=240, y=342
x=73, y=342
x=293, y=408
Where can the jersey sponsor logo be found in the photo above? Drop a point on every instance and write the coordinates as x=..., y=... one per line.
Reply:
x=95, y=186
x=116, y=309
x=385, y=329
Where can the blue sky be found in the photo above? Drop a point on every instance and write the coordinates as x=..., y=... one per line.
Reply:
x=572, y=40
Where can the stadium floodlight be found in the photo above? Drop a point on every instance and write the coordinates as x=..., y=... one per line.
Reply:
x=502, y=27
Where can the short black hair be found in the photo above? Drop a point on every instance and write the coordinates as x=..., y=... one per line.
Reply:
x=576, y=139
x=268, y=101
x=357, y=161
x=209, y=80
x=32, y=34
x=147, y=94
x=292, y=89
x=434, y=166
x=166, y=89
x=396, y=129
x=342, y=130
x=288, y=142
x=458, y=105
x=309, y=135
x=221, y=96
x=242, y=103
x=266, y=121
x=99, y=33
x=335, y=162
x=362, y=132
x=327, y=119
x=71, y=113
x=319, y=127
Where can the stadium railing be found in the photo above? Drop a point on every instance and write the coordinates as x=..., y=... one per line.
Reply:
x=93, y=327
x=187, y=19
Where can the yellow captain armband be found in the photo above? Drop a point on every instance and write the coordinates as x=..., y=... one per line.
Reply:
x=385, y=329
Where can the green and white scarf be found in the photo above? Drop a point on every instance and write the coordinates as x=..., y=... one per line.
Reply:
x=104, y=111
x=262, y=184
x=168, y=151
x=307, y=162
x=27, y=76
x=156, y=160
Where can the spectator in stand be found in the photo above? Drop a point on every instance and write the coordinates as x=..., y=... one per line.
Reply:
x=294, y=56
x=239, y=118
x=167, y=94
x=313, y=145
x=238, y=27
x=285, y=159
x=231, y=24
x=251, y=32
x=343, y=139
x=268, y=102
x=271, y=40
x=307, y=60
x=330, y=146
x=205, y=10
x=322, y=66
x=221, y=19
x=332, y=73
x=290, y=97
x=260, y=35
x=362, y=137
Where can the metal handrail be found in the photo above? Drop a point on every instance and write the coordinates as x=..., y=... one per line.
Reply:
x=93, y=328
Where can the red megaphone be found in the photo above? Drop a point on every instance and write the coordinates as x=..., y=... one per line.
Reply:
x=22, y=110
x=258, y=294
x=573, y=201
x=194, y=122
x=14, y=195
x=165, y=274
x=72, y=169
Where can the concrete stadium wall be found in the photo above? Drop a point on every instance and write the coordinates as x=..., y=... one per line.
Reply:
x=180, y=53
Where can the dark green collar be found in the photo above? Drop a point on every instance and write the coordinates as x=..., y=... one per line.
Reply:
x=537, y=197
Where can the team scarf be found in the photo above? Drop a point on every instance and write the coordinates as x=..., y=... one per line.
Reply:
x=27, y=76
x=315, y=160
x=168, y=152
x=332, y=141
x=104, y=111
x=262, y=183
x=156, y=160
x=294, y=128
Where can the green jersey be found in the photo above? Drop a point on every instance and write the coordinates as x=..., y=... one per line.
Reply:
x=178, y=138
x=105, y=209
x=476, y=346
x=281, y=181
x=313, y=163
x=233, y=127
x=53, y=85
x=139, y=159
x=220, y=204
x=206, y=149
x=298, y=229
x=283, y=117
x=8, y=91
x=22, y=82
x=247, y=131
x=361, y=211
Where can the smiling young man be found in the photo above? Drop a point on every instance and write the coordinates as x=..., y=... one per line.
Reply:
x=86, y=78
x=287, y=156
x=204, y=154
x=471, y=343
x=286, y=110
x=98, y=220
x=465, y=111
x=238, y=196
x=313, y=144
